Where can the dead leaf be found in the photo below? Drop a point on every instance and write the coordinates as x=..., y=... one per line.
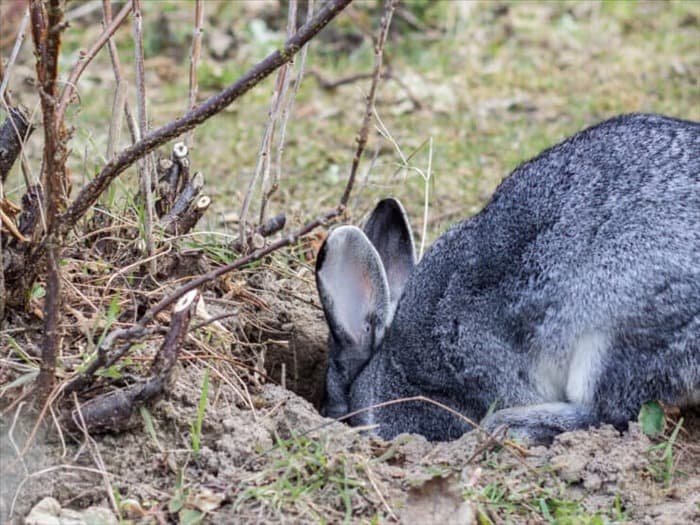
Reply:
x=437, y=501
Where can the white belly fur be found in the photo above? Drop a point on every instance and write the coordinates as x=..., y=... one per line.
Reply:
x=572, y=378
x=585, y=367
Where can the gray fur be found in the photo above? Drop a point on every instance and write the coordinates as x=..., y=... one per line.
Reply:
x=572, y=298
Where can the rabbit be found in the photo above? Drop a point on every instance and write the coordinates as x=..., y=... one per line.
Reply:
x=569, y=301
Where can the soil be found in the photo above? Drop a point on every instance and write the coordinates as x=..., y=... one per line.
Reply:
x=254, y=437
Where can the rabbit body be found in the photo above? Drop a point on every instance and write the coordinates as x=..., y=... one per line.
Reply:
x=571, y=299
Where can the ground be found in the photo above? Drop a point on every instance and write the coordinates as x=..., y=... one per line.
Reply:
x=491, y=84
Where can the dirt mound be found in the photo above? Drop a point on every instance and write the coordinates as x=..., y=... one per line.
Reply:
x=277, y=460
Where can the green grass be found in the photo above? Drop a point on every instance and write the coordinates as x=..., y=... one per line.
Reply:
x=515, y=498
x=302, y=479
x=196, y=426
x=663, y=466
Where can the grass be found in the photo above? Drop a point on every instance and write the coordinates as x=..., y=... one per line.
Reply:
x=500, y=502
x=196, y=426
x=663, y=466
x=302, y=478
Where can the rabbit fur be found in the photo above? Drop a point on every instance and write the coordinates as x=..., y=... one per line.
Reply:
x=571, y=299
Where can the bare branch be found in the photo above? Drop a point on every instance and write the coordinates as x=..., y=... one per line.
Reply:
x=86, y=57
x=115, y=123
x=262, y=167
x=194, y=59
x=389, y=8
x=46, y=32
x=144, y=164
x=270, y=185
x=286, y=112
x=182, y=312
x=91, y=192
x=117, y=67
x=13, y=55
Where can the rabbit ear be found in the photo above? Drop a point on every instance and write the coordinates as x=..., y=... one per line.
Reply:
x=354, y=291
x=390, y=233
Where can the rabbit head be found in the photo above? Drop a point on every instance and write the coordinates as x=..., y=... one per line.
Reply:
x=361, y=275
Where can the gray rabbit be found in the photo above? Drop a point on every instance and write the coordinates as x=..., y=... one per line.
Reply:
x=571, y=299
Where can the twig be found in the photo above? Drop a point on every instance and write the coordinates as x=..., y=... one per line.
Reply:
x=287, y=103
x=330, y=85
x=426, y=199
x=382, y=499
x=389, y=8
x=267, y=228
x=262, y=167
x=194, y=60
x=115, y=123
x=13, y=133
x=143, y=166
x=113, y=410
x=8, y=223
x=117, y=68
x=46, y=32
x=213, y=105
x=48, y=470
x=13, y=55
x=86, y=57
x=87, y=7
x=46, y=404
